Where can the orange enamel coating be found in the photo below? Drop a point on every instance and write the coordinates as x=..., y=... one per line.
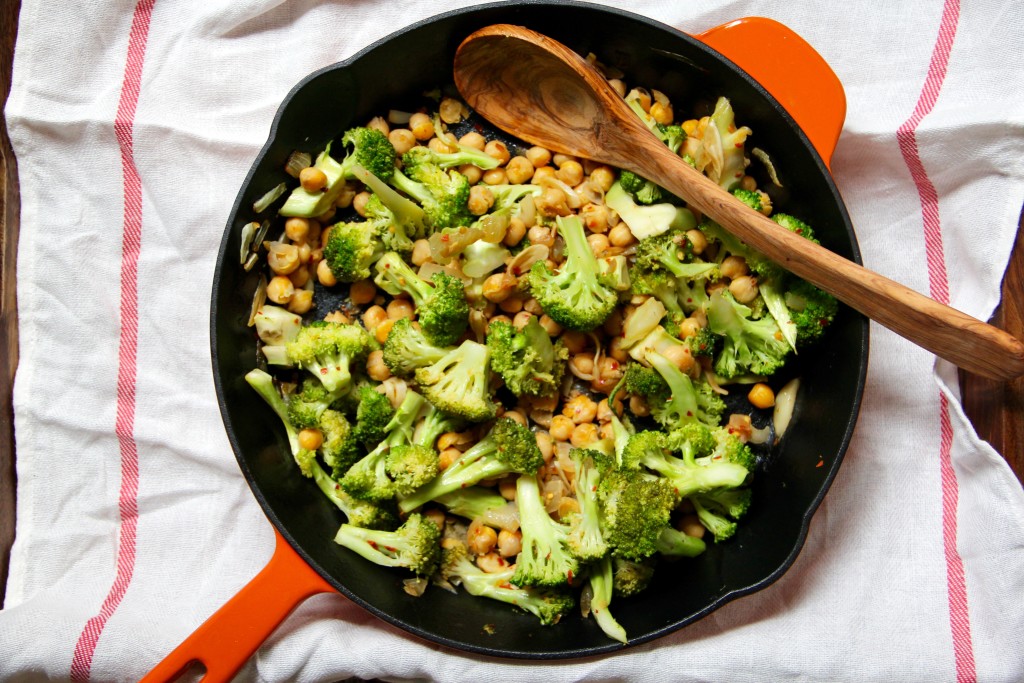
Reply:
x=791, y=70
x=233, y=633
x=788, y=68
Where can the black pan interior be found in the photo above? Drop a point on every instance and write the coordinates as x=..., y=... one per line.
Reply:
x=787, y=490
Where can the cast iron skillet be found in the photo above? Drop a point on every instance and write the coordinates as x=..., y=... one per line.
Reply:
x=787, y=490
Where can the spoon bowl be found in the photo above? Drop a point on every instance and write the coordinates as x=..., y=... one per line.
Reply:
x=539, y=90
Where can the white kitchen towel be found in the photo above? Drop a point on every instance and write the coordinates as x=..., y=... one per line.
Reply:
x=134, y=124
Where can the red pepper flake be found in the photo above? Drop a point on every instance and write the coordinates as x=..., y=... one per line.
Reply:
x=323, y=371
x=821, y=463
x=570, y=576
x=372, y=544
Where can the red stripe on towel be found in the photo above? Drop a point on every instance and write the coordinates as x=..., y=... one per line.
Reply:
x=938, y=284
x=131, y=242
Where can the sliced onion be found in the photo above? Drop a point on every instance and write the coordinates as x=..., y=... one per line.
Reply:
x=572, y=198
x=399, y=117
x=785, y=401
x=482, y=258
x=763, y=157
x=296, y=162
x=261, y=204
x=248, y=232
x=528, y=211
x=493, y=227
x=524, y=260
x=258, y=299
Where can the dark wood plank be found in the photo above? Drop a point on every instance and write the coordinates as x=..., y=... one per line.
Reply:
x=9, y=210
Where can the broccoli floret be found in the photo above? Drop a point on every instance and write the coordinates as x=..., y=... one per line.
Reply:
x=263, y=383
x=481, y=502
x=720, y=527
x=703, y=344
x=794, y=224
x=327, y=351
x=407, y=214
x=545, y=559
x=410, y=467
x=443, y=194
x=602, y=582
x=508, y=447
x=459, y=383
x=373, y=414
x=748, y=197
x=340, y=448
x=547, y=604
x=369, y=479
x=802, y=311
x=575, y=297
x=433, y=424
x=732, y=503
x=441, y=308
x=635, y=507
x=646, y=221
x=359, y=513
x=674, y=543
x=275, y=327
x=644, y=381
x=727, y=447
x=662, y=286
x=407, y=348
x=673, y=252
x=585, y=540
x=414, y=546
x=465, y=155
x=351, y=250
x=370, y=150
x=748, y=345
x=307, y=405
x=393, y=231
x=631, y=577
x=643, y=191
x=527, y=361
x=694, y=472
x=687, y=401
x=672, y=135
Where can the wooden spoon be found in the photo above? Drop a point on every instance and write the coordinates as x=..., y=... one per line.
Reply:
x=542, y=92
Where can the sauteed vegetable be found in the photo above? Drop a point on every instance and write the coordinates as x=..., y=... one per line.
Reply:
x=518, y=372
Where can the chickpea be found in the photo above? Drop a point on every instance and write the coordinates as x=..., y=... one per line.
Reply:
x=362, y=292
x=328, y=215
x=612, y=325
x=510, y=543
x=761, y=396
x=598, y=243
x=662, y=113
x=511, y=304
x=421, y=126
x=618, y=86
x=691, y=526
x=570, y=173
x=616, y=350
x=748, y=183
x=543, y=172
x=399, y=308
x=310, y=439
x=498, y=287
x=402, y=140
x=325, y=275
x=733, y=267
x=359, y=203
x=301, y=302
x=305, y=252
x=435, y=515
x=447, y=456
x=480, y=538
x=538, y=156
x=574, y=341
x=374, y=316
x=680, y=356
x=299, y=277
x=515, y=233
x=545, y=445
x=638, y=406
x=550, y=326
x=375, y=366
x=553, y=202
x=584, y=435
x=607, y=375
x=380, y=333
x=481, y=199
x=559, y=159
x=473, y=140
x=690, y=126
x=378, y=123
x=580, y=408
x=280, y=289
x=531, y=305
x=498, y=150
x=491, y=563
x=519, y=170
x=473, y=173
x=744, y=289
x=689, y=328
x=603, y=177
x=561, y=428
x=296, y=229
x=583, y=363
x=595, y=217
x=698, y=242
x=420, y=252
x=516, y=416
x=521, y=320
x=444, y=145
x=283, y=258
x=621, y=236
x=312, y=179
x=495, y=176
x=345, y=197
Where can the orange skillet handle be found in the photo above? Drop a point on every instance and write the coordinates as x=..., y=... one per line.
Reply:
x=789, y=68
x=234, y=632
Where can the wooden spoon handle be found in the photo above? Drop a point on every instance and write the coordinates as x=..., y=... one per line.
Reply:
x=967, y=342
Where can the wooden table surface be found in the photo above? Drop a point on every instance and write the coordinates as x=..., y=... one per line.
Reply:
x=996, y=409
